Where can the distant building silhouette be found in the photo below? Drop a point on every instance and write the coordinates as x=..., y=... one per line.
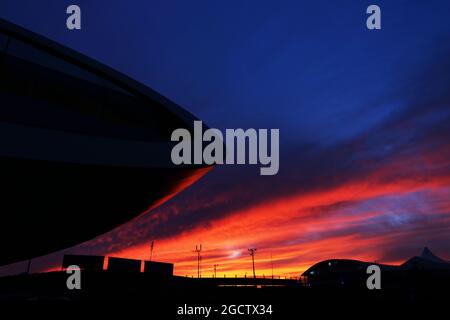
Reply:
x=158, y=268
x=92, y=263
x=124, y=265
x=426, y=267
x=96, y=263
x=427, y=260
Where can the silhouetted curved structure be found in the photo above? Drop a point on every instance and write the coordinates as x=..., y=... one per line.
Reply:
x=83, y=148
x=427, y=268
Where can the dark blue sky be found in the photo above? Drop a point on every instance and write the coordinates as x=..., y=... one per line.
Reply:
x=304, y=66
x=351, y=104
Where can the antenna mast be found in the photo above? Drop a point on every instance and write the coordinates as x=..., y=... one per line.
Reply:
x=252, y=252
x=198, y=249
x=151, y=249
x=215, y=270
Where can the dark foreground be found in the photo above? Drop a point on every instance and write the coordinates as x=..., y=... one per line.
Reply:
x=174, y=297
x=104, y=285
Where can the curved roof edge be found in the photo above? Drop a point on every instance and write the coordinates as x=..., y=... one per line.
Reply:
x=101, y=70
x=351, y=261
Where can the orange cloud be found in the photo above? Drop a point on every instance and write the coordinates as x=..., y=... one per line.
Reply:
x=292, y=233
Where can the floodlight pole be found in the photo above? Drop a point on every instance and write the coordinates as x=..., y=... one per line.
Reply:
x=198, y=249
x=29, y=266
x=215, y=270
x=271, y=263
x=252, y=251
x=151, y=249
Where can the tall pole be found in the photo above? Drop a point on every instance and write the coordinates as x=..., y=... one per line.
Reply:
x=29, y=266
x=271, y=263
x=198, y=249
x=252, y=251
x=151, y=249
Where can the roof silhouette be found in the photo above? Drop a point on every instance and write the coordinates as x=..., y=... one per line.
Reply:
x=427, y=254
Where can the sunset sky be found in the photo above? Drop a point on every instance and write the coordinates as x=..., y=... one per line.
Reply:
x=364, y=119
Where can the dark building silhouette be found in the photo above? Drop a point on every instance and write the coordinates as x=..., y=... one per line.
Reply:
x=158, y=268
x=96, y=263
x=83, y=148
x=426, y=270
x=341, y=273
x=426, y=261
x=331, y=280
x=90, y=263
x=124, y=265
